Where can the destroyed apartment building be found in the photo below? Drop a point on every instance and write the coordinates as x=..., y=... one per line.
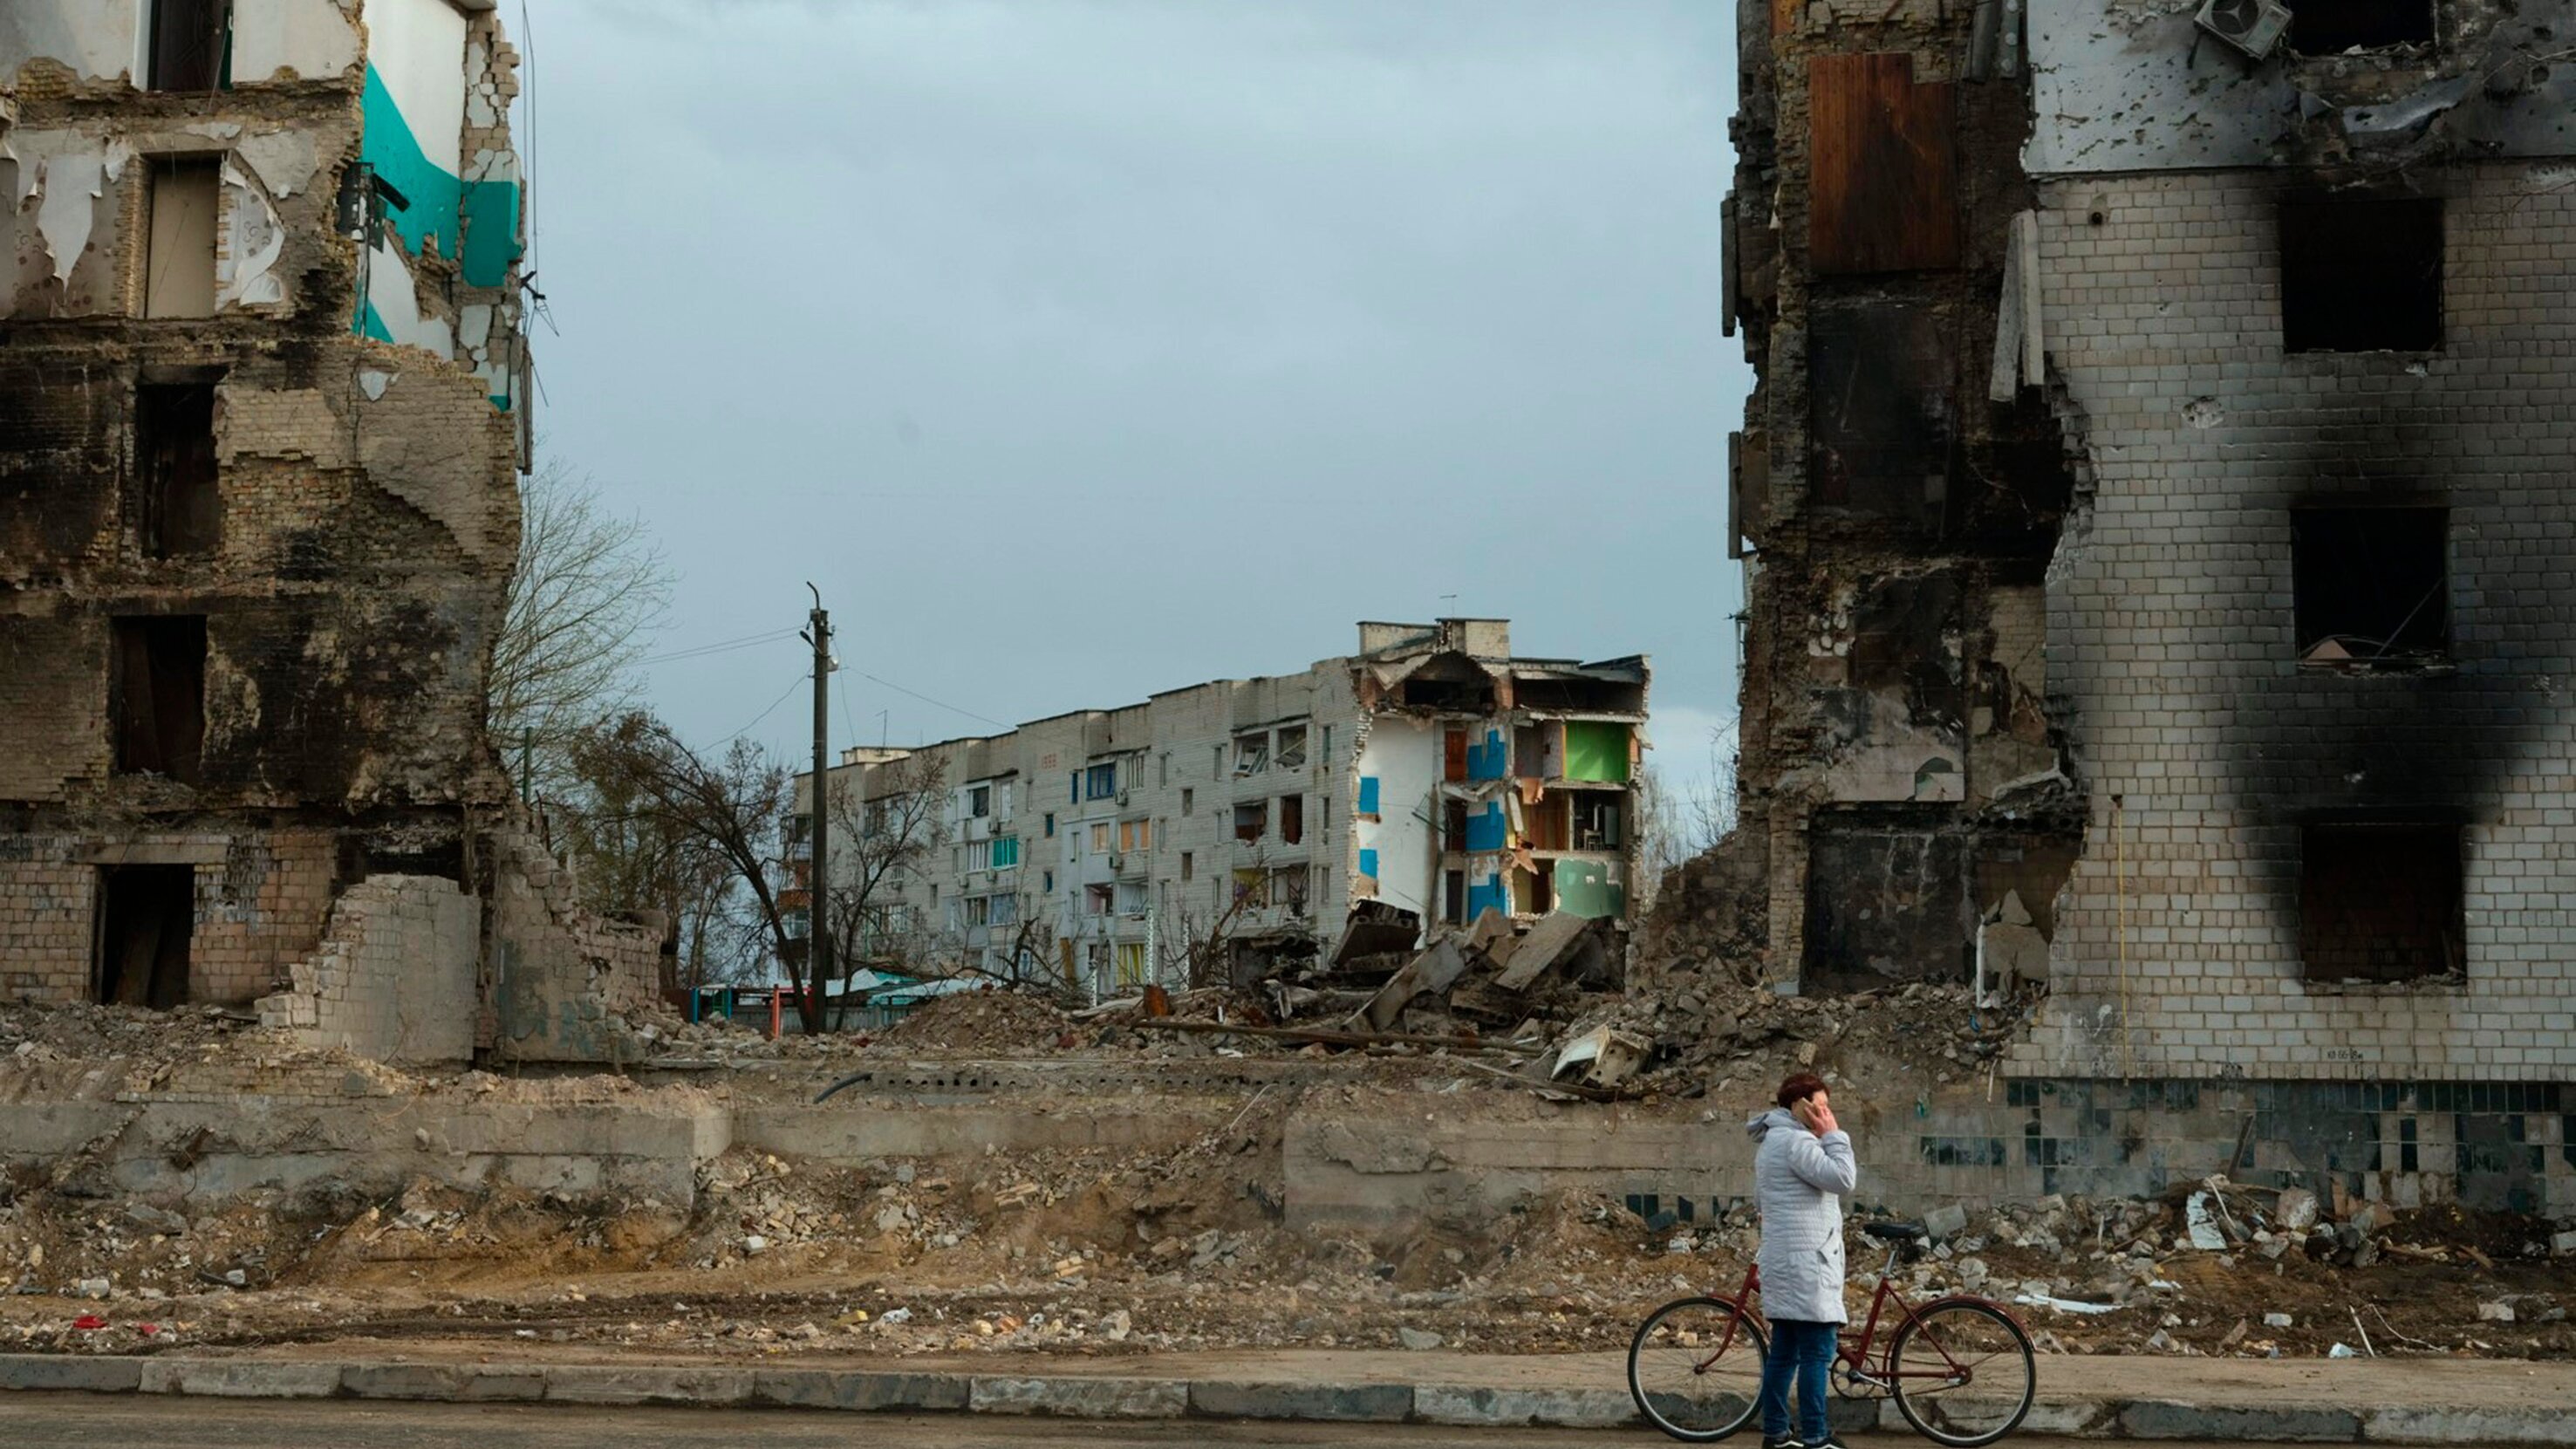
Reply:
x=1248, y=828
x=2154, y=507
x=262, y=416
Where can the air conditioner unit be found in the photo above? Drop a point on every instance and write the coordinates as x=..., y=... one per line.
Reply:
x=1123, y=797
x=2252, y=26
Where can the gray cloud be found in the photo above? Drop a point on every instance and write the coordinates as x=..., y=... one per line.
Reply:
x=1080, y=350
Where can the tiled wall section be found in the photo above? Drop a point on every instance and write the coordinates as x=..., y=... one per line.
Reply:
x=2171, y=648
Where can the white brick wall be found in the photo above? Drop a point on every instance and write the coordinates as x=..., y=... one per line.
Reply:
x=2170, y=634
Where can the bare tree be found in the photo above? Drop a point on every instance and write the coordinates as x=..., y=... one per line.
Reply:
x=735, y=809
x=885, y=821
x=587, y=591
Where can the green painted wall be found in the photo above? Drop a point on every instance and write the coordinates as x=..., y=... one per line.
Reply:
x=1584, y=888
x=1595, y=750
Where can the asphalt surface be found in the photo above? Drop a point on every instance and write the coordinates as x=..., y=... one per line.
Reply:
x=42, y=1421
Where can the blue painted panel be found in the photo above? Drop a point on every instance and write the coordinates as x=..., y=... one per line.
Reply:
x=1486, y=829
x=1368, y=794
x=1490, y=759
x=1368, y=864
x=1484, y=893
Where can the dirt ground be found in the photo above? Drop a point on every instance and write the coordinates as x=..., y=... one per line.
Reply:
x=1120, y=1252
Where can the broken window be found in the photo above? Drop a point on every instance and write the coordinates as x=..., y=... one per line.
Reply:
x=979, y=910
x=2370, y=586
x=2380, y=902
x=187, y=44
x=179, y=264
x=1131, y=898
x=1098, y=899
x=1882, y=191
x=2331, y=27
x=2361, y=274
x=1188, y=866
x=145, y=916
x=157, y=695
x=1252, y=820
x=979, y=801
x=1252, y=887
x=1292, y=819
x=1879, y=420
x=1292, y=747
x=1887, y=901
x=1251, y=754
x=1288, y=887
x=1453, y=824
x=174, y=456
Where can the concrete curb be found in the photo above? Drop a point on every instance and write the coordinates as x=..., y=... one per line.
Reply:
x=1090, y=1397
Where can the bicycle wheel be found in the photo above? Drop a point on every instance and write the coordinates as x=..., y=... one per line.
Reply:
x=1963, y=1372
x=1695, y=1368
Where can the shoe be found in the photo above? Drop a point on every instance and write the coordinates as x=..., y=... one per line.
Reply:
x=1830, y=1441
x=1781, y=1443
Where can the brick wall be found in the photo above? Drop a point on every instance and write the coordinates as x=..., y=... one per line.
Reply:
x=2202, y=741
x=394, y=979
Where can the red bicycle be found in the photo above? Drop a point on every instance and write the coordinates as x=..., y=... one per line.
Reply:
x=1960, y=1368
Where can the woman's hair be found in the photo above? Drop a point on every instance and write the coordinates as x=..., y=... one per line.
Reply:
x=1799, y=1088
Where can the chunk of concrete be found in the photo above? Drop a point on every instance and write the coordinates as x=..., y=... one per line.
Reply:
x=1941, y=1224
x=1080, y=1398
x=65, y=1373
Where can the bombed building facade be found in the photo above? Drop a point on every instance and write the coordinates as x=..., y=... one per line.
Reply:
x=2153, y=505
x=262, y=417
x=1423, y=781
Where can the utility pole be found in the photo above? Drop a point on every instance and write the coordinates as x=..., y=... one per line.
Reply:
x=818, y=933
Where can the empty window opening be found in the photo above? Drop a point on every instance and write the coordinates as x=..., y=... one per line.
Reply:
x=1251, y=821
x=1453, y=895
x=1252, y=887
x=1292, y=747
x=187, y=44
x=2371, y=586
x=145, y=915
x=2361, y=274
x=979, y=801
x=1292, y=819
x=157, y=695
x=2380, y=902
x=2331, y=27
x=1189, y=801
x=179, y=265
x=1189, y=867
x=1453, y=824
x=174, y=456
x=1098, y=899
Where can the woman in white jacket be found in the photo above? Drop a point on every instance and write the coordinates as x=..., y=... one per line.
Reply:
x=1802, y=1166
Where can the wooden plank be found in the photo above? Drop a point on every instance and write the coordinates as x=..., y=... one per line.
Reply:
x=1882, y=168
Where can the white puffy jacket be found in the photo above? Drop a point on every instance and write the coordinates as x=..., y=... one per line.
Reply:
x=1798, y=1179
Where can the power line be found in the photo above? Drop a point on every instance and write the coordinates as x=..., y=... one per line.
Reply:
x=699, y=651
x=926, y=699
x=766, y=713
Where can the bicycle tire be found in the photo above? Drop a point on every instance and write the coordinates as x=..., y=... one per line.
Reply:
x=1746, y=1348
x=1965, y=1326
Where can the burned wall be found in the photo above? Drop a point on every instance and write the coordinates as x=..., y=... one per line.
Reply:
x=252, y=550
x=2226, y=745
x=1896, y=510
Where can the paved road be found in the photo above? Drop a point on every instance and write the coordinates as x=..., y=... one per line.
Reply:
x=44, y=1421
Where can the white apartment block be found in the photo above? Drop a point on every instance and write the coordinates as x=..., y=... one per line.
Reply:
x=1431, y=773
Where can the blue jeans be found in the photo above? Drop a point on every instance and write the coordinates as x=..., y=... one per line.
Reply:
x=1803, y=1351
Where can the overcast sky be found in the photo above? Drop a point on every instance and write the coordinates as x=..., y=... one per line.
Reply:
x=1082, y=350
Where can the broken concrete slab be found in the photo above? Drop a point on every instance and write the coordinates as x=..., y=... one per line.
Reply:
x=1432, y=972
x=1553, y=941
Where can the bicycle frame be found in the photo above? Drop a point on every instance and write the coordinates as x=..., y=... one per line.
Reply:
x=1853, y=1355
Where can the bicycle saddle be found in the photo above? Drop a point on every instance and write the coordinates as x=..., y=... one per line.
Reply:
x=1893, y=1232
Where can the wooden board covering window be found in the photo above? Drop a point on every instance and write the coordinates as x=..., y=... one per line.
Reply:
x=1882, y=176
